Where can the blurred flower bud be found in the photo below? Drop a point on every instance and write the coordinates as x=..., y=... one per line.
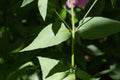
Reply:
x=77, y=3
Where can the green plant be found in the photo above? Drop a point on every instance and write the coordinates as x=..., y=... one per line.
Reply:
x=61, y=46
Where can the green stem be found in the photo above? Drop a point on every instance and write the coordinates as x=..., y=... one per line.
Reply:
x=73, y=35
x=81, y=22
x=63, y=20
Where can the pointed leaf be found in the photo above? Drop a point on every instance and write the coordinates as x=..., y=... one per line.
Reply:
x=98, y=27
x=60, y=67
x=58, y=76
x=42, y=5
x=26, y=2
x=47, y=38
x=46, y=65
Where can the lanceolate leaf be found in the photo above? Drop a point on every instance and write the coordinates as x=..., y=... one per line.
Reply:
x=42, y=5
x=60, y=67
x=46, y=66
x=25, y=2
x=47, y=38
x=98, y=27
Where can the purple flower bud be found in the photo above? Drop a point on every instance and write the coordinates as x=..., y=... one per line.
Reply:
x=77, y=3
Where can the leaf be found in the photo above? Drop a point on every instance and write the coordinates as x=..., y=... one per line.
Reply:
x=71, y=76
x=26, y=2
x=113, y=2
x=42, y=5
x=58, y=76
x=95, y=50
x=98, y=27
x=26, y=64
x=95, y=79
x=112, y=67
x=60, y=67
x=47, y=38
x=83, y=75
x=46, y=65
x=115, y=75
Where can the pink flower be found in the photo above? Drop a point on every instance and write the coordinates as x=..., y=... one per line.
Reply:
x=77, y=3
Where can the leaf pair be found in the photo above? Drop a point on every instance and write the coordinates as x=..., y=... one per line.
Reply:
x=92, y=28
x=48, y=64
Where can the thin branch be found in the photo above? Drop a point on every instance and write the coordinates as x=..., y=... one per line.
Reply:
x=62, y=20
x=81, y=22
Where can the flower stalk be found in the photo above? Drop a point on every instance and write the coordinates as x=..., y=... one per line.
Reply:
x=73, y=35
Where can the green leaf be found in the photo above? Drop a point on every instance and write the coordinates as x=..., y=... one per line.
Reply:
x=98, y=27
x=26, y=64
x=115, y=75
x=95, y=79
x=26, y=2
x=60, y=67
x=113, y=2
x=83, y=75
x=71, y=76
x=112, y=67
x=42, y=5
x=46, y=65
x=47, y=38
x=58, y=76
x=95, y=50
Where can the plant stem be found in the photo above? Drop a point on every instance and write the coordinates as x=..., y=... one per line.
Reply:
x=63, y=20
x=73, y=35
x=81, y=22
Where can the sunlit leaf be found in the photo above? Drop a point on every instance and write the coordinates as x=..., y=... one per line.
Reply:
x=71, y=76
x=46, y=65
x=95, y=79
x=26, y=2
x=60, y=67
x=47, y=38
x=58, y=76
x=98, y=27
x=42, y=5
